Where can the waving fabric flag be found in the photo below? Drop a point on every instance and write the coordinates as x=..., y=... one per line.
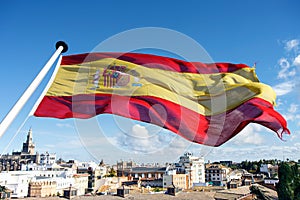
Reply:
x=204, y=103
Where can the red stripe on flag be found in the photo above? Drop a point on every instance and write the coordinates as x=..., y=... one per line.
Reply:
x=209, y=130
x=157, y=62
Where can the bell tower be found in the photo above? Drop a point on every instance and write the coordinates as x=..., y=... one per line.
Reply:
x=28, y=146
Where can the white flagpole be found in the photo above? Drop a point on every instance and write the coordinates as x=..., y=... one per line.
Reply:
x=61, y=47
x=37, y=103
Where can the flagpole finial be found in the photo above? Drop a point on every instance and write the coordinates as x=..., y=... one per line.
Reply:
x=63, y=44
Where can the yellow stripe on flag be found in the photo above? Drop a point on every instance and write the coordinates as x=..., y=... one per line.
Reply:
x=206, y=94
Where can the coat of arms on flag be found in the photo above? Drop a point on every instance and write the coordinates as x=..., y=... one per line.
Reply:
x=185, y=90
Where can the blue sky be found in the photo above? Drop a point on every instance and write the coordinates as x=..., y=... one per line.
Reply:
x=265, y=32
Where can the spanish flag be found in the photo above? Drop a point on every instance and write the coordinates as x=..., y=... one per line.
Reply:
x=204, y=103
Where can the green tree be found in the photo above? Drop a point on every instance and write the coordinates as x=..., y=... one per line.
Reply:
x=284, y=187
x=258, y=193
x=2, y=188
x=296, y=181
x=254, y=167
x=297, y=192
x=112, y=173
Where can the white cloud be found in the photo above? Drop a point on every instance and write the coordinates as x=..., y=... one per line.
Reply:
x=296, y=61
x=292, y=45
x=293, y=108
x=140, y=140
x=294, y=136
x=291, y=117
x=61, y=145
x=285, y=71
x=62, y=125
x=284, y=88
x=139, y=131
x=291, y=114
x=249, y=135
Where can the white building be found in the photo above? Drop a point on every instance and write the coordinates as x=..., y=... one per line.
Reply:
x=271, y=181
x=236, y=174
x=77, y=181
x=17, y=182
x=96, y=173
x=47, y=158
x=271, y=170
x=194, y=167
x=49, y=168
x=80, y=183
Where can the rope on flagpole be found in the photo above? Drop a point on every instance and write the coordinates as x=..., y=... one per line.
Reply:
x=61, y=47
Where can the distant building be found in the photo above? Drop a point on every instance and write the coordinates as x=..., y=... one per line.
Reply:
x=95, y=173
x=180, y=181
x=51, y=186
x=47, y=158
x=70, y=192
x=27, y=155
x=193, y=166
x=43, y=183
x=226, y=163
x=253, y=178
x=123, y=167
x=43, y=188
x=234, y=178
x=147, y=172
x=28, y=146
x=71, y=164
x=80, y=183
x=216, y=174
x=269, y=181
x=270, y=170
x=122, y=191
x=187, y=172
x=27, y=173
x=17, y=183
x=147, y=176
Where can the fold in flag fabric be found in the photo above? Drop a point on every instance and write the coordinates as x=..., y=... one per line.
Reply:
x=204, y=103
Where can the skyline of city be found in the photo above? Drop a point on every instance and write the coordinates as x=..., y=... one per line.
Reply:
x=27, y=173
x=35, y=151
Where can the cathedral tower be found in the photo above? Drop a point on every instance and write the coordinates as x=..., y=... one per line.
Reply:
x=28, y=146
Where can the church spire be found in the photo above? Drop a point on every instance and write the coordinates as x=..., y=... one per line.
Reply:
x=28, y=146
x=29, y=136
